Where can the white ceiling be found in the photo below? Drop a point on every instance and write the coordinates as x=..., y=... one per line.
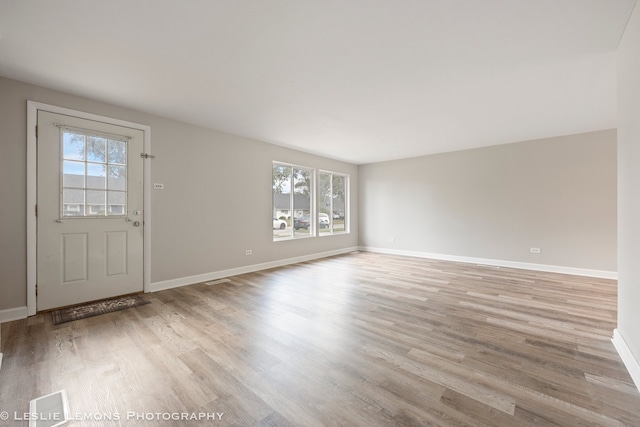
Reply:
x=356, y=80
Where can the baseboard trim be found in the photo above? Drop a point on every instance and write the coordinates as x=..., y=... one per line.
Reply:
x=601, y=274
x=11, y=314
x=190, y=280
x=630, y=362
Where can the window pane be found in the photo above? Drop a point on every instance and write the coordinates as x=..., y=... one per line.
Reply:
x=73, y=174
x=117, y=152
x=302, y=202
x=96, y=202
x=281, y=186
x=96, y=175
x=72, y=202
x=324, y=200
x=116, y=202
x=96, y=149
x=338, y=198
x=73, y=146
x=332, y=196
x=117, y=178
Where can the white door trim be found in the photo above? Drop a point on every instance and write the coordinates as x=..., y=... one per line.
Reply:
x=32, y=187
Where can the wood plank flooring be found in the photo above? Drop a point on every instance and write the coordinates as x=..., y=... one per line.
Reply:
x=361, y=339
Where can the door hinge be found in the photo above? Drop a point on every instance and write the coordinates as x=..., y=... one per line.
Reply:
x=147, y=156
x=36, y=289
x=36, y=210
x=36, y=131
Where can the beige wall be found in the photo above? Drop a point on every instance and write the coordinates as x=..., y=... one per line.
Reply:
x=216, y=202
x=629, y=186
x=495, y=203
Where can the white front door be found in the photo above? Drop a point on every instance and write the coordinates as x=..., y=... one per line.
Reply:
x=89, y=212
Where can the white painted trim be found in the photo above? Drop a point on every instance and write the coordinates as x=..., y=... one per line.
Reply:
x=499, y=263
x=32, y=187
x=190, y=280
x=11, y=314
x=32, y=200
x=630, y=362
x=146, y=217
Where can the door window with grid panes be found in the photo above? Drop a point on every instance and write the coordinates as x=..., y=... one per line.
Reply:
x=93, y=174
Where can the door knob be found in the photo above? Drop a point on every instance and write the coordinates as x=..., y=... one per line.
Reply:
x=136, y=223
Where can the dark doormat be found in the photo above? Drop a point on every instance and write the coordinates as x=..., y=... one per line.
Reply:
x=96, y=308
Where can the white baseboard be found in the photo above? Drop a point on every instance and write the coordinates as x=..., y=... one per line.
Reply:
x=601, y=274
x=190, y=280
x=11, y=314
x=630, y=362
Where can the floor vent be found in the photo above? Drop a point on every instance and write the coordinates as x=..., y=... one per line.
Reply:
x=51, y=410
x=217, y=282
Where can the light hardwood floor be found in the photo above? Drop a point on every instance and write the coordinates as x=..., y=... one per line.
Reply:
x=361, y=339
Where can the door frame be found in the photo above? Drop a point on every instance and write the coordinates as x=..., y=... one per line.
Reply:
x=32, y=192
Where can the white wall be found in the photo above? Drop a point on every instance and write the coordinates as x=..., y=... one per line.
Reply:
x=216, y=202
x=629, y=194
x=495, y=203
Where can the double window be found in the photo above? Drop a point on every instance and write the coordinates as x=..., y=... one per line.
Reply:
x=303, y=209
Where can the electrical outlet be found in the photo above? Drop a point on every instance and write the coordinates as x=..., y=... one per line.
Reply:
x=158, y=186
x=392, y=239
x=248, y=252
x=534, y=250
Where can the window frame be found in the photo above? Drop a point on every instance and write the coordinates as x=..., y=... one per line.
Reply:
x=314, y=203
x=292, y=206
x=87, y=207
x=346, y=214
